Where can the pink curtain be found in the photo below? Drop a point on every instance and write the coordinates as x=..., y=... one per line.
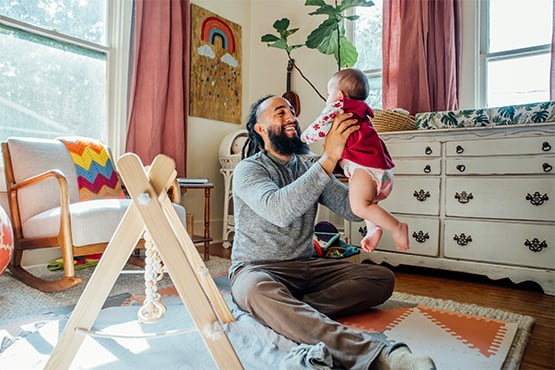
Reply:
x=421, y=55
x=552, y=80
x=158, y=110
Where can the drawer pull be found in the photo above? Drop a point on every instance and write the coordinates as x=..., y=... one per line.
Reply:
x=547, y=167
x=362, y=231
x=461, y=167
x=464, y=197
x=427, y=169
x=537, y=198
x=462, y=239
x=546, y=147
x=428, y=150
x=421, y=196
x=535, y=245
x=459, y=149
x=420, y=237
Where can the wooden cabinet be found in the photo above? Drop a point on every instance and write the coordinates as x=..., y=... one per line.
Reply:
x=478, y=200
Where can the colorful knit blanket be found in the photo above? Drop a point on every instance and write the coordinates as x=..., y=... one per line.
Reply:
x=96, y=176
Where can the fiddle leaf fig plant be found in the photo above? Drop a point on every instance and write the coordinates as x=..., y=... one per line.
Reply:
x=328, y=38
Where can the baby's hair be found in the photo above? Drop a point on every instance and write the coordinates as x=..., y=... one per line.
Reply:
x=254, y=142
x=353, y=82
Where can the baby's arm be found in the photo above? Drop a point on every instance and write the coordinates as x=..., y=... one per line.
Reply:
x=320, y=127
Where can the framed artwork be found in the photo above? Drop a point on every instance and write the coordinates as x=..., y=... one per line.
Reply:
x=215, y=72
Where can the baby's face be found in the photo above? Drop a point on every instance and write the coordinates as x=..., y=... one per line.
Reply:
x=333, y=90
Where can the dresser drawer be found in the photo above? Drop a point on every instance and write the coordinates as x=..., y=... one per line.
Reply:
x=501, y=146
x=423, y=236
x=399, y=149
x=517, y=198
x=418, y=195
x=430, y=166
x=533, y=165
x=512, y=243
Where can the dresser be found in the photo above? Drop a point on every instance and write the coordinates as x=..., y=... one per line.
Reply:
x=477, y=200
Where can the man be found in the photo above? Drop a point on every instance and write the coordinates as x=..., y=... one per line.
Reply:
x=274, y=275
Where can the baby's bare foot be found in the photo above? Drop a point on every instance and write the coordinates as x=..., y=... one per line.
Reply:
x=401, y=237
x=370, y=242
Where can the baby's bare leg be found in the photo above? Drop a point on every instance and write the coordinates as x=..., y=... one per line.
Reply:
x=362, y=192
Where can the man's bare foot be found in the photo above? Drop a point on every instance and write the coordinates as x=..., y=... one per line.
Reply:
x=401, y=237
x=370, y=242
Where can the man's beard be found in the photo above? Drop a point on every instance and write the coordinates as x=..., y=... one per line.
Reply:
x=287, y=145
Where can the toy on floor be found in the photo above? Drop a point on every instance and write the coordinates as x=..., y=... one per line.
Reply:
x=334, y=247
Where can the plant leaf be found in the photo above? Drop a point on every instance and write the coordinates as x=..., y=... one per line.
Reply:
x=321, y=33
x=314, y=3
x=349, y=54
x=346, y=4
x=281, y=24
x=269, y=38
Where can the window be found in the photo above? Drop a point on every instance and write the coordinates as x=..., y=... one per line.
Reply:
x=58, y=73
x=516, y=51
x=510, y=65
x=367, y=37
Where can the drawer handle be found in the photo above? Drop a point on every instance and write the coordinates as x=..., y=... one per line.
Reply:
x=428, y=150
x=421, y=195
x=420, y=237
x=546, y=147
x=535, y=245
x=461, y=167
x=547, y=167
x=459, y=149
x=462, y=239
x=427, y=169
x=537, y=198
x=362, y=231
x=464, y=197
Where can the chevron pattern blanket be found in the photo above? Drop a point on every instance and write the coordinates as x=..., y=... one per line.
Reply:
x=96, y=176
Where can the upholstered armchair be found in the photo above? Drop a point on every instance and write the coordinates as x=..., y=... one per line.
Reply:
x=63, y=193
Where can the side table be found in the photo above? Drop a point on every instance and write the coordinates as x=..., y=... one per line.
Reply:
x=205, y=238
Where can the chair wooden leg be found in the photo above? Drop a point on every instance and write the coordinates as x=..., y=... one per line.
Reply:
x=35, y=282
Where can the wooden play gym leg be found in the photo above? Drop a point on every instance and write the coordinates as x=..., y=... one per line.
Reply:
x=151, y=210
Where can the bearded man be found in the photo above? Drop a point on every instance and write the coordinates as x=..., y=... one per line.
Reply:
x=275, y=275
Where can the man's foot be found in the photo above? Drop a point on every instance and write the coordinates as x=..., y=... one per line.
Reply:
x=401, y=236
x=401, y=358
x=370, y=242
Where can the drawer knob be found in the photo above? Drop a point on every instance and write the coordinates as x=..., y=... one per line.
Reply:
x=428, y=150
x=427, y=169
x=547, y=167
x=362, y=231
x=459, y=149
x=461, y=167
x=420, y=236
x=546, y=147
x=421, y=195
x=535, y=245
x=462, y=239
x=537, y=198
x=463, y=197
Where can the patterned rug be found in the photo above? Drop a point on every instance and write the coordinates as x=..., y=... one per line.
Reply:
x=456, y=336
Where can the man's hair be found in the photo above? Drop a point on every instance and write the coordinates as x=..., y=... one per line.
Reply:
x=254, y=142
x=353, y=82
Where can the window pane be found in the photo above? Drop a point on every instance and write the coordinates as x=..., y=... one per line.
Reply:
x=514, y=24
x=83, y=19
x=367, y=36
x=375, y=94
x=507, y=86
x=50, y=89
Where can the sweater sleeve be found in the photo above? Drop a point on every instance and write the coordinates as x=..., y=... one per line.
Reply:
x=262, y=192
x=321, y=126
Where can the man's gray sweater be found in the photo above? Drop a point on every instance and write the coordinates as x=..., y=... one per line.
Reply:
x=275, y=204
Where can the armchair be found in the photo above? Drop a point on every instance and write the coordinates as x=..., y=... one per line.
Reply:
x=55, y=202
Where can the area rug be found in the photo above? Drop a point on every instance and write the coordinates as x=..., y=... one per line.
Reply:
x=457, y=336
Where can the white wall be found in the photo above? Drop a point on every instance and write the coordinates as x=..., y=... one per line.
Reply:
x=264, y=72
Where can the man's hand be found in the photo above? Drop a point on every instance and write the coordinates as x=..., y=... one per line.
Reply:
x=343, y=126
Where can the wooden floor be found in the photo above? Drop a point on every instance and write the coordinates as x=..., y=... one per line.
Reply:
x=525, y=298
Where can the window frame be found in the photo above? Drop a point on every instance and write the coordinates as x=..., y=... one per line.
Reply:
x=117, y=52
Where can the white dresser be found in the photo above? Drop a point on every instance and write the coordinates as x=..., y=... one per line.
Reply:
x=477, y=200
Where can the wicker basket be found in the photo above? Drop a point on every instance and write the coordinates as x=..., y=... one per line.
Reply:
x=389, y=120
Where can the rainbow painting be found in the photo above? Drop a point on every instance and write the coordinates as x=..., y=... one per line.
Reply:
x=214, y=28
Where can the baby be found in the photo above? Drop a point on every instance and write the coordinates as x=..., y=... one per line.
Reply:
x=365, y=161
